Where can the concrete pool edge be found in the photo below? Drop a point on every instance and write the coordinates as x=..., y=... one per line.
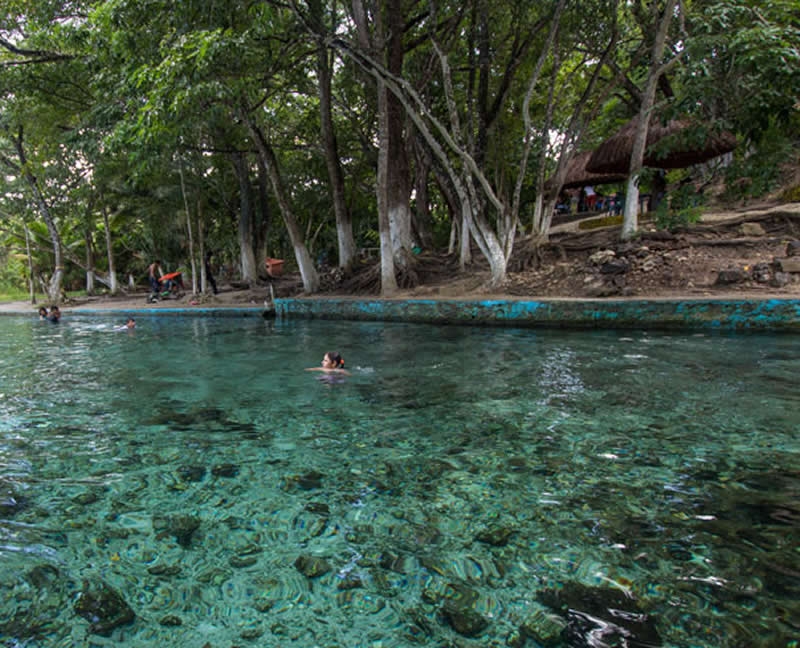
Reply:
x=723, y=314
x=772, y=314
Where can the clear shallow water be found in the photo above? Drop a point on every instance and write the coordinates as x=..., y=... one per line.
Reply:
x=465, y=486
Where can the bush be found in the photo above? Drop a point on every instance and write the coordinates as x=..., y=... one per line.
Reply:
x=684, y=207
x=758, y=171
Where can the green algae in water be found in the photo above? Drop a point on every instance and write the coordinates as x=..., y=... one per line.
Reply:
x=488, y=486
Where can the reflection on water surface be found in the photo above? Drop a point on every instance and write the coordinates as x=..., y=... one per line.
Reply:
x=188, y=482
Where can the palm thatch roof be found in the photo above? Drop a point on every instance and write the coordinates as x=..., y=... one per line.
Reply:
x=578, y=176
x=675, y=145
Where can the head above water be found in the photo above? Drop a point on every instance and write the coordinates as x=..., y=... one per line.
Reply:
x=131, y=323
x=332, y=360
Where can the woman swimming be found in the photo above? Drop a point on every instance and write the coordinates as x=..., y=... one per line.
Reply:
x=332, y=363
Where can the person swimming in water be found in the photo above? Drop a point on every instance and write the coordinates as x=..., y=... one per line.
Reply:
x=55, y=315
x=130, y=324
x=332, y=363
x=42, y=313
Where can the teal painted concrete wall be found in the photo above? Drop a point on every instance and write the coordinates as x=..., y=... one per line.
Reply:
x=772, y=314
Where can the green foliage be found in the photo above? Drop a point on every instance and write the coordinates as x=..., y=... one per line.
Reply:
x=682, y=207
x=791, y=194
x=756, y=172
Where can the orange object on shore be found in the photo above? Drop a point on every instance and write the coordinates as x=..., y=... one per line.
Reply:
x=274, y=267
x=171, y=275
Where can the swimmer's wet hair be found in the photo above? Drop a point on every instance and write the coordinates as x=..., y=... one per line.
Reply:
x=336, y=359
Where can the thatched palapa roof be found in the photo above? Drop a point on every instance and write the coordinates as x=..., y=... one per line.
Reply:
x=675, y=145
x=578, y=176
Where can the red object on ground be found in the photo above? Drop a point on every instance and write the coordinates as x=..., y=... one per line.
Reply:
x=274, y=267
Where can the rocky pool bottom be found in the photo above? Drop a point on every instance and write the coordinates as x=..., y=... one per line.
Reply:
x=189, y=483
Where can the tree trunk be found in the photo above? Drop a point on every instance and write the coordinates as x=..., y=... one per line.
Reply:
x=201, y=243
x=344, y=221
x=54, y=286
x=112, y=272
x=398, y=187
x=422, y=214
x=304, y=262
x=247, y=258
x=87, y=238
x=657, y=68
x=374, y=44
x=31, y=284
x=388, y=278
x=188, y=228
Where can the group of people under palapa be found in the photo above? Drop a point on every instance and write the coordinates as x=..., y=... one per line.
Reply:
x=588, y=199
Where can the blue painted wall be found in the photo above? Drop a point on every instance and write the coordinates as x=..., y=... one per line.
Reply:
x=772, y=314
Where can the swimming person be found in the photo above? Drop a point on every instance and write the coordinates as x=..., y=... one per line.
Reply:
x=42, y=313
x=130, y=324
x=55, y=314
x=332, y=363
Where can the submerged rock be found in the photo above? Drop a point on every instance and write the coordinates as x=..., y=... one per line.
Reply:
x=312, y=566
x=11, y=502
x=495, y=536
x=464, y=620
x=180, y=526
x=191, y=473
x=103, y=607
x=225, y=470
x=593, y=611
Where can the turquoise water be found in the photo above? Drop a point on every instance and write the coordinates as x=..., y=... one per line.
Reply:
x=463, y=487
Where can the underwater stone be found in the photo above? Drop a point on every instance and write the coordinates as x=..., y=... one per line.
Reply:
x=181, y=526
x=225, y=470
x=543, y=628
x=587, y=608
x=171, y=620
x=42, y=576
x=11, y=502
x=251, y=633
x=312, y=566
x=86, y=498
x=349, y=581
x=164, y=570
x=242, y=561
x=191, y=473
x=103, y=607
x=464, y=620
x=309, y=480
x=320, y=508
x=495, y=536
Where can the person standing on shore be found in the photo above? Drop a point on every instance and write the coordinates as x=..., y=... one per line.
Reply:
x=209, y=274
x=154, y=273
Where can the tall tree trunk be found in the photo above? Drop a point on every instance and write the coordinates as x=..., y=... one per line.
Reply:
x=388, y=278
x=263, y=225
x=344, y=221
x=56, y=279
x=308, y=273
x=188, y=228
x=87, y=238
x=374, y=44
x=657, y=68
x=422, y=213
x=31, y=283
x=247, y=258
x=398, y=182
x=201, y=243
x=112, y=272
